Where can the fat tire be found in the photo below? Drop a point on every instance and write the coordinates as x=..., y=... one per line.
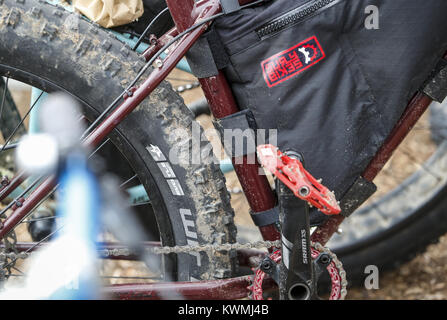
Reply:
x=52, y=49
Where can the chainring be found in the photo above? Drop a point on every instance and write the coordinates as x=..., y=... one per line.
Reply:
x=334, y=269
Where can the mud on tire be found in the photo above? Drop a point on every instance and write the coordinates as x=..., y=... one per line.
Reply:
x=52, y=49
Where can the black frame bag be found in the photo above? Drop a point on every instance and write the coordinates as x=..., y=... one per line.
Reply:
x=332, y=87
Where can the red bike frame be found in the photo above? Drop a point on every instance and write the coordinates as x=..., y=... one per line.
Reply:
x=222, y=103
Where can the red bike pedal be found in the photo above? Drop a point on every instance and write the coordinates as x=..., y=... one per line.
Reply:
x=292, y=173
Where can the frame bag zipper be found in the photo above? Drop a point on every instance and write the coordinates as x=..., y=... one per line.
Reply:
x=297, y=15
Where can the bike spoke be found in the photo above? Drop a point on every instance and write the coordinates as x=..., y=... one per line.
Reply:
x=5, y=89
x=148, y=28
x=35, y=245
x=127, y=181
x=11, y=143
x=9, y=146
x=2, y=213
x=99, y=148
x=39, y=219
x=21, y=122
x=141, y=204
x=18, y=270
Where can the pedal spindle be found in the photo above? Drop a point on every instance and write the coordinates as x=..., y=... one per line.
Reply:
x=292, y=173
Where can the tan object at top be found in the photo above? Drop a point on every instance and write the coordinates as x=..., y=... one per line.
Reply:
x=110, y=13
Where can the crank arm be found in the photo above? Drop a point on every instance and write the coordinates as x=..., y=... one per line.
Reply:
x=297, y=189
x=297, y=279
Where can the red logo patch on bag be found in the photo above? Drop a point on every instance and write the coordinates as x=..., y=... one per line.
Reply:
x=290, y=62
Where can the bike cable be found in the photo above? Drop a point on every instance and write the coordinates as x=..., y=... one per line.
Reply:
x=145, y=32
x=127, y=91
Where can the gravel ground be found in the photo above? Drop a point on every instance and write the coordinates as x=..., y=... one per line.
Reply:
x=423, y=278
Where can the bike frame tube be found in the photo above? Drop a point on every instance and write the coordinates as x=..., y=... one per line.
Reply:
x=222, y=103
x=11, y=185
x=256, y=187
x=228, y=289
x=159, y=43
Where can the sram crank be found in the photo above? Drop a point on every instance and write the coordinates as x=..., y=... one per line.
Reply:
x=298, y=273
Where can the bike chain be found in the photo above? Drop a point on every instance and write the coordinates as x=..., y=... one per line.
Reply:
x=209, y=248
x=196, y=248
x=188, y=86
x=167, y=250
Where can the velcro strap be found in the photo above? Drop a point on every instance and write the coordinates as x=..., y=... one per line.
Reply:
x=237, y=132
x=436, y=86
x=207, y=55
x=221, y=58
x=201, y=60
x=230, y=6
x=357, y=194
x=265, y=218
